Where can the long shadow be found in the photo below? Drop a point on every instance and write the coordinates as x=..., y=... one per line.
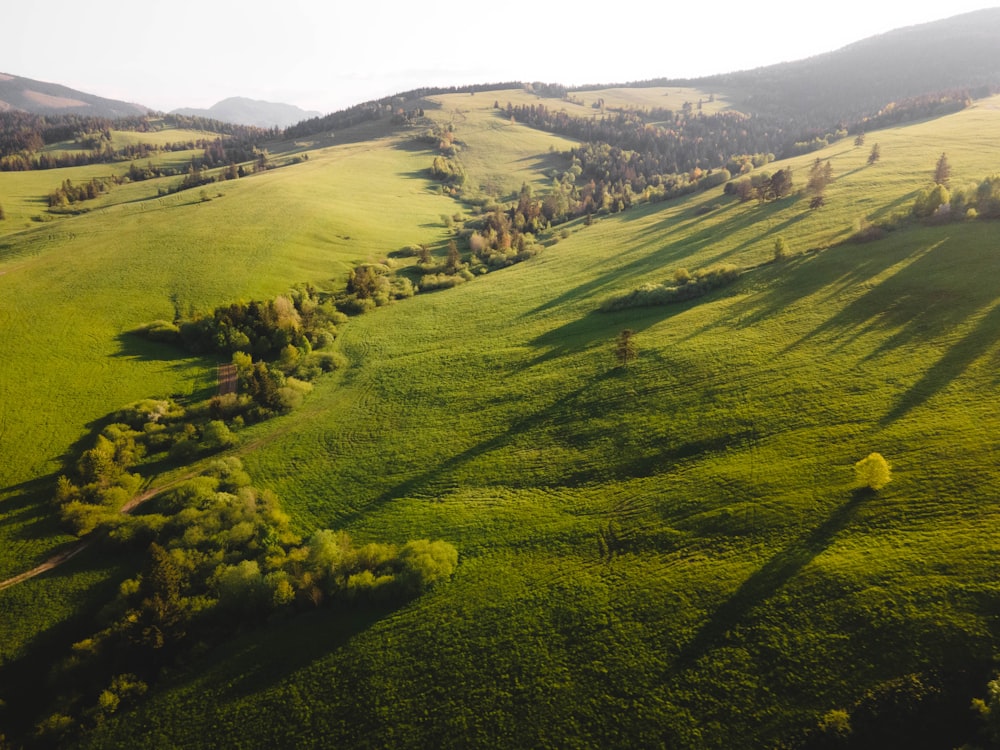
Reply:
x=24, y=681
x=767, y=581
x=262, y=657
x=582, y=333
x=674, y=252
x=835, y=269
x=949, y=367
x=438, y=473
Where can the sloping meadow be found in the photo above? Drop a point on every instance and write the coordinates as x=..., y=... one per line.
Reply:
x=669, y=552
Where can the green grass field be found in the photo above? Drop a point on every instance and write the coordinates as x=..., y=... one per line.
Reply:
x=748, y=590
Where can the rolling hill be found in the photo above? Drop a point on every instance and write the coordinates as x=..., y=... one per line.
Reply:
x=673, y=551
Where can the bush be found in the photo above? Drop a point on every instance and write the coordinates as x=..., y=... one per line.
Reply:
x=161, y=330
x=424, y=563
x=686, y=287
x=872, y=472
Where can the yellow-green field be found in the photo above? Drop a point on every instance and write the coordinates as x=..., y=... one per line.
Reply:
x=747, y=588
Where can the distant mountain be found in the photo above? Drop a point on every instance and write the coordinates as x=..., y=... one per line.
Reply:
x=958, y=53
x=38, y=97
x=243, y=111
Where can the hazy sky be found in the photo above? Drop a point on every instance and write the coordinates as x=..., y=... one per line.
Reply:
x=327, y=55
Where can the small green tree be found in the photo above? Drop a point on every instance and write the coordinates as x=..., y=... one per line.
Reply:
x=874, y=155
x=780, y=249
x=625, y=348
x=873, y=472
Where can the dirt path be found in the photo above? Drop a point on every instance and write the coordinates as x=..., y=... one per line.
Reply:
x=135, y=502
x=78, y=547
x=49, y=564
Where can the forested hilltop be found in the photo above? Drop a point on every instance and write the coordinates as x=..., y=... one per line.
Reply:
x=511, y=415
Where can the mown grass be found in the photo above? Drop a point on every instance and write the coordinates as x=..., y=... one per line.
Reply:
x=747, y=588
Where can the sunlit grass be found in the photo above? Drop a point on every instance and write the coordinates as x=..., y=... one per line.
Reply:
x=746, y=588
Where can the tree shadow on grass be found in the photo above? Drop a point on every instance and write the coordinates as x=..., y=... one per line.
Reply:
x=950, y=367
x=25, y=680
x=769, y=579
x=437, y=478
x=262, y=657
x=600, y=328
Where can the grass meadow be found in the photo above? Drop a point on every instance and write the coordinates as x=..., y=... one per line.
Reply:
x=670, y=553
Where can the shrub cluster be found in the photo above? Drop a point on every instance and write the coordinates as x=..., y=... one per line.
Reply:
x=684, y=286
x=101, y=480
x=220, y=555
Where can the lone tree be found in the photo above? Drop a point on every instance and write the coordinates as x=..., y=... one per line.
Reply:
x=859, y=140
x=625, y=348
x=942, y=172
x=874, y=155
x=872, y=472
x=820, y=175
x=780, y=249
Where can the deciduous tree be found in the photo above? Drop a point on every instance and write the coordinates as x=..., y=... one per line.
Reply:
x=942, y=172
x=625, y=347
x=873, y=472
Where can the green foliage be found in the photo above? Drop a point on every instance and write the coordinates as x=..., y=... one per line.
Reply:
x=685, y=287
x=423, y=563
x=988, y=711
x=872, y=472
x=780, y=249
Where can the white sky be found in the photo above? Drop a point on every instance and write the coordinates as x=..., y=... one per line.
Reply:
x=327, y=54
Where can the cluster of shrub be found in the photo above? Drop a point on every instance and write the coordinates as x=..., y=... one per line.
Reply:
x=762, y=186
x=276, y=346
x=219, y=555
x=939, y=204
x=371, y=285
x=684, y=286
x=102, y=481
x=68, y=193
x=502, y=237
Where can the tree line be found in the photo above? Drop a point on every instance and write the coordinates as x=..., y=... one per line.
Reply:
x=24, y=136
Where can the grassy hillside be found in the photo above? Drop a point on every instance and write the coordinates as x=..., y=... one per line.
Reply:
x=72, y=289
x=671, y=553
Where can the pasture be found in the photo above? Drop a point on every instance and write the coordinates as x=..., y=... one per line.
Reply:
x=670, y=552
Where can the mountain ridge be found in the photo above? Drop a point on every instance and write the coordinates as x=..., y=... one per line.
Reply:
x=245, y=111
x=18, y=93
